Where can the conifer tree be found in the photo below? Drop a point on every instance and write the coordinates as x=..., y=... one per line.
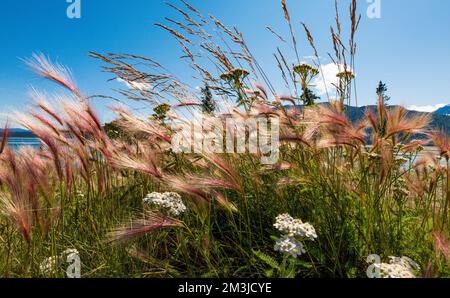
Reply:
x=208, y=103
x=381, y=92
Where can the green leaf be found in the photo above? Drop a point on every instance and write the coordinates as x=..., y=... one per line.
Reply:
x=267, y=259
x=269, y=273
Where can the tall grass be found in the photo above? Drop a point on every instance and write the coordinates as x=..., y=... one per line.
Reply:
x=366, y=187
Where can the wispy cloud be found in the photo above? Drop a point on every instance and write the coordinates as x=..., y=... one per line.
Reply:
x=427, y=108
x=327, y=79
x=142, y=86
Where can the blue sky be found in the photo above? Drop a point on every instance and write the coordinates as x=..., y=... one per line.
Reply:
x=407, y=47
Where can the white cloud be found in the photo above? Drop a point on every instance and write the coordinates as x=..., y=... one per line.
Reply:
x=327, y=79
x=142, y=86
x=427, y=109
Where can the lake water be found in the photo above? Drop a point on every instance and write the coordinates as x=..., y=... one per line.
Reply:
x=17, y=143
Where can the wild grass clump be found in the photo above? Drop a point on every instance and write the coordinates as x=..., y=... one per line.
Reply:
x=118, y=196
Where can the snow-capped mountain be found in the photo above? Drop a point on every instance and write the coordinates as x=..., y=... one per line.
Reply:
x=443, y=111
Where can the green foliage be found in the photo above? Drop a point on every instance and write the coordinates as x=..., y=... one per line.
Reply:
x=235, y=80
x=208, y=103
x=287, y=269
x=268, y=260
x=308, y=97
x=381, y=92
x=115, y=131
x=161, y=112
x=363, y=187
x=307, y=74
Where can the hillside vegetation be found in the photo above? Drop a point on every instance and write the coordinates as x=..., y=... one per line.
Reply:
x=345, y=198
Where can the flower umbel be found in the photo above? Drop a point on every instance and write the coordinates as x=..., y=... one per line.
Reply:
x=70, y=252
x=294, y=231
x=294, y=227
x=398, y=267
x=289, y=246
x=50, y=265
x=169, y=201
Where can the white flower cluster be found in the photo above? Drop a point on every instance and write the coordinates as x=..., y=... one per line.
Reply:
x=69, y=252
x=169, y=201
x=292, y=230
x=290, y=246
x=49, y=265
x=397, y=267
x=292, y=227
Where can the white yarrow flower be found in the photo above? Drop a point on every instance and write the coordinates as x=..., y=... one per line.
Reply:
x=283, y=223
x=169, y=201
x=70, y=252
x=294, y=231
x=50, y=265
x=397, y=267
x=289, y=246
x=309, y=231
x=290, y=226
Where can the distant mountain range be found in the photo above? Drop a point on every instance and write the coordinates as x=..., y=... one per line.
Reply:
x=440, y=119
x=443, y=111
x=18, y=133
